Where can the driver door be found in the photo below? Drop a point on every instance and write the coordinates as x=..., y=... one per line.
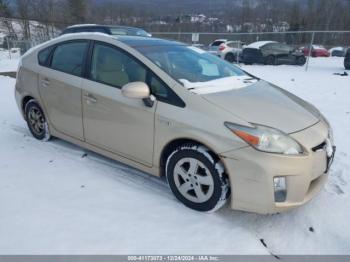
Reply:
x=111, y=121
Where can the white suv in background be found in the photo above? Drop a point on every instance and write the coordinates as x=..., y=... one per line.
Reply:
x=231, y=51
x=225, y=49
x=214, y=47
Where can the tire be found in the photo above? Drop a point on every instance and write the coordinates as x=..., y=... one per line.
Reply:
x=230, y=58
x=347, y=63
x=270, y=60
x=301, y=60
x=197, y=178
x=36, y=121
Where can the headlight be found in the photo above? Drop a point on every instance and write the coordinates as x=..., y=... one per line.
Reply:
x=267, y=139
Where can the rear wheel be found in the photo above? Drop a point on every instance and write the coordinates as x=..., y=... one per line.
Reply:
x=36, y=121
x=197, y=179
x=230, y=58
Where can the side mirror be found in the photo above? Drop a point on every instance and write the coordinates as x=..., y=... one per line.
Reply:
x=138, y=90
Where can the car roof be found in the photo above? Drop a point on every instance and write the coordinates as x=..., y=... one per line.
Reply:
x=105, y=26
x=132, y=41
x=318, y=47
x=135, y=41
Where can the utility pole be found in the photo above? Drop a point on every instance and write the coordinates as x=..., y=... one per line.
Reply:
x=310, y=51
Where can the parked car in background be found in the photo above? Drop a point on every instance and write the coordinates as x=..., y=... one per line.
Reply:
x=272, y=53
x=214, y=47
x=231, y=51
x=173, y=110
x=347, y=59
x=316, y=51
x=337, y=51
x=107, y=29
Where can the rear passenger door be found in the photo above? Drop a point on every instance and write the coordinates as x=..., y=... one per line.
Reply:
x=113, y=122
x=60, y=86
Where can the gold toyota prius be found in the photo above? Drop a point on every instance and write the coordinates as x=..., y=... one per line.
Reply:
x=169, y=109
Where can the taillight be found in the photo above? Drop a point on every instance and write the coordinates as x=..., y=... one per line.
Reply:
x=222, y=48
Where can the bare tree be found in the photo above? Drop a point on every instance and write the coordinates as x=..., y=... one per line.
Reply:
x=77, y=10
x=23, y=10
x=6, y=13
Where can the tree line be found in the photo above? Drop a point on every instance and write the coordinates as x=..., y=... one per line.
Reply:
x=299, y=14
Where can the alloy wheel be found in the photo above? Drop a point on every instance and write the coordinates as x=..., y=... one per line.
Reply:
x=193, y=180
x=36, y=120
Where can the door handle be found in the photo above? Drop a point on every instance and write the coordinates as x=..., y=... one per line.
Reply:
x=90, y=99
x=45, y=82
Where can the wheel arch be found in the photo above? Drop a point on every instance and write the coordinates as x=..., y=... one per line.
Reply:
x=230, y=53
x=172, y=145
x=25, y=101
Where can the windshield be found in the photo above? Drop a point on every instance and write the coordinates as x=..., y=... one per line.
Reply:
x=141, y=32
x=130, y=31
x=189, y=63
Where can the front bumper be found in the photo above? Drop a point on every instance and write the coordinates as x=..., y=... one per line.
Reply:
x=252, y=172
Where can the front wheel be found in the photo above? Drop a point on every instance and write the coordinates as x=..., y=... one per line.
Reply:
x=36, y=121
x=271, y=60
x=347, y=64
x=197, y=179
x=230, y=58
x=301, y=60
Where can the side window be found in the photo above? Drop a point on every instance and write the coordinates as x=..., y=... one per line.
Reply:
x=43, y=56
x=217, y=43
x=69, y=58
x=266, y=48
x=114, y=67
x=158, y=88
x=163, y=92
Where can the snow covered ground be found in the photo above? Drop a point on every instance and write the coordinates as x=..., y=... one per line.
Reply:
x=8, y=64
x=57, y=198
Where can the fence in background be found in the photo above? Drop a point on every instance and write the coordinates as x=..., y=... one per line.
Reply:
x=294, y=38
x=20, y=34
x=11, y=45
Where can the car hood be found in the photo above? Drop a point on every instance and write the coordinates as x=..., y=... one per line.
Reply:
x=265, y=104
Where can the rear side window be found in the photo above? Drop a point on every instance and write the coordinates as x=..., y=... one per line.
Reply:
x=69, y=58
x=43, y=56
